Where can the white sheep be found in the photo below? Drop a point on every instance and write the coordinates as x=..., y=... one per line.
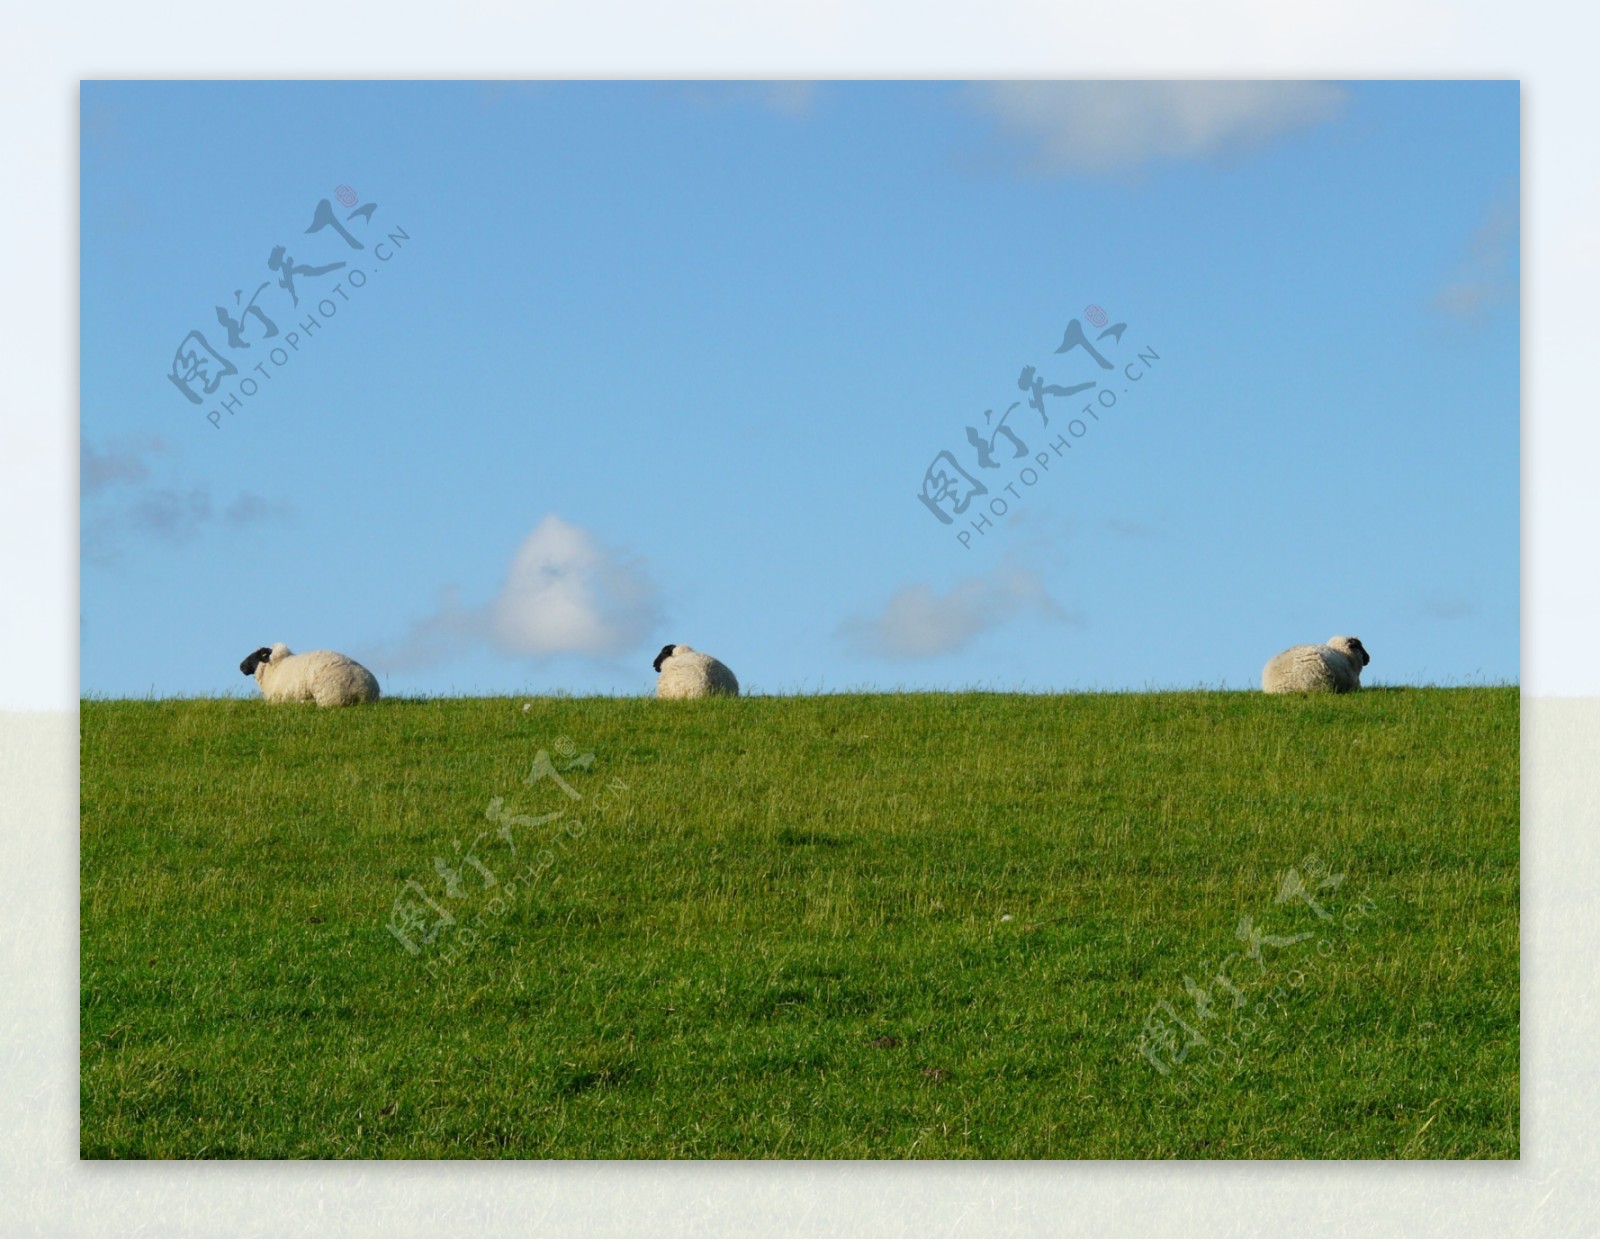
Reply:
x=686, y=673
x=321, y=676
x=1334, y=668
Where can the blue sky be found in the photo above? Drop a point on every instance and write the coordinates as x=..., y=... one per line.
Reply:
x=657, y=362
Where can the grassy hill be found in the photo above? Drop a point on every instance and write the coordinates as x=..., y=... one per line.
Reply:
x=1167, y=925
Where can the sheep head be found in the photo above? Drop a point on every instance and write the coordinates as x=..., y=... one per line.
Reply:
x=1351, y=646
x=248, y=667
x=668, y=651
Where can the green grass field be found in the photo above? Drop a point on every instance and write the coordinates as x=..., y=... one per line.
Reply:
x=1166, y=925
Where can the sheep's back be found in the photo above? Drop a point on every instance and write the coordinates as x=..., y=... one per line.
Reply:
x=325, y=677
x=1310, y=669
x=693, y=675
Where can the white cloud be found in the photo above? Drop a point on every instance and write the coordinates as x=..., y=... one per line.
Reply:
x=564, y=594
x=1108, y=126
x=917, y=623
x=1484, y=279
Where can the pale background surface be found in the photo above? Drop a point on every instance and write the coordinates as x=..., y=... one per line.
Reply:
x=1552, y=1191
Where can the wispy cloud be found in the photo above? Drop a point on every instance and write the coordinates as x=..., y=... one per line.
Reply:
x=1484, y=277
x=121, y=463
x=918, y=623
x=564, y=594
x=791, y=98
x=1124, y=528
x=1099, y=127
x=444, y=633
x=1448, y=607
x=121, y=506
x=252, y=509
x=175, y=516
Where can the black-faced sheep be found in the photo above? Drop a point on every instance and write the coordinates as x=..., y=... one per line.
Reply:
x=321, y=676
x=686, y=673
x=1333, y=668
